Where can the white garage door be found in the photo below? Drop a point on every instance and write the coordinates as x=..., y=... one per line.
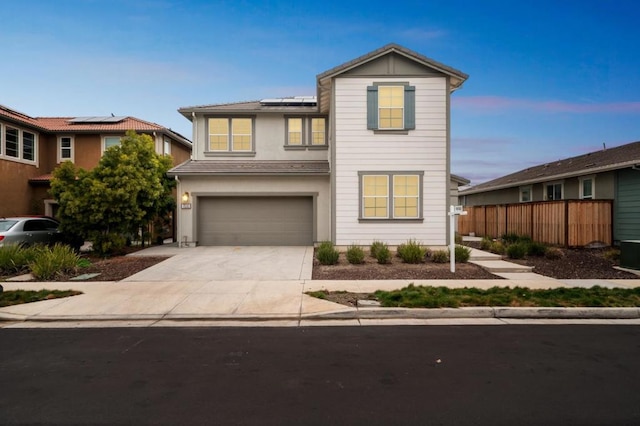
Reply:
x=255, y=221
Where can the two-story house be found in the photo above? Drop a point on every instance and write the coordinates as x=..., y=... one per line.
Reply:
x=365, y=159
x=32, y=147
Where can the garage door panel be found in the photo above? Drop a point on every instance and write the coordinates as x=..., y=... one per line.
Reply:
x=255, y=221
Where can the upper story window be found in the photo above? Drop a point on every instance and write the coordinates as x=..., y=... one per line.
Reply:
x=230, y=135
x=391, y=107
x=65, y=148
x=109, y=141
x=166, y=147
x=318, y=131
x=391, y=195
x=587, y=188
x=306, y=132
x=553, y=191
x=18, y=144
x=525, y=194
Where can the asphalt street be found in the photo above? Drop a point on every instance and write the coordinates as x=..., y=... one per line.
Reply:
x=428, y=375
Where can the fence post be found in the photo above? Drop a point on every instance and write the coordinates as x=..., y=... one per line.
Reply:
x=566, y=223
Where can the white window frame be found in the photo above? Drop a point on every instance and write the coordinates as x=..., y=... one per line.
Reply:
x=71, y=148
x=166, y=146
x=104, y=141
x=546, y=192
x=20, y=134
x=592, y=178
x=522, y=189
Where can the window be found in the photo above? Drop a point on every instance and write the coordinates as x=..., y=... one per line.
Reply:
x=391, y=195
x=587, y=188
x=231, y=134
x=11, y=142
x=391, y=106
x=110, y=141
x=302, y=133
x=554, y=191
x=28, y=145
x=318, y=131
x=166, y=148
x=525, y=194
x=294, y=131
x=65, y=148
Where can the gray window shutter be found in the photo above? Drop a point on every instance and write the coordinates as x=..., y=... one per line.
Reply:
x=409, y=107
x=372, y=107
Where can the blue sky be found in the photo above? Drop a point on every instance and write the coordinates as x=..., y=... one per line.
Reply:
x=548, y=79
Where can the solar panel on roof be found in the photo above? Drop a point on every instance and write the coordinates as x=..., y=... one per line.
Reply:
x=97, y=119
x=292, y=101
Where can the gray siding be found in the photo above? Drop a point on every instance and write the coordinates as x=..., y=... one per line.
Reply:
x=627, y=206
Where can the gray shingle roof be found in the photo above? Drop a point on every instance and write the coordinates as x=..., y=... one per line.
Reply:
x=594, y=162
x=226, y=167
x=247, y=107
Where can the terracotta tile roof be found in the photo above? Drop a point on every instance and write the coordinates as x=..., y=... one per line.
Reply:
x=64, y=124
x=67, y=124
x=42, y=178
x=594, y=162
x=225, y=167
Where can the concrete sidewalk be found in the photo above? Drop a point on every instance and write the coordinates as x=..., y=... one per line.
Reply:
x=183, y=291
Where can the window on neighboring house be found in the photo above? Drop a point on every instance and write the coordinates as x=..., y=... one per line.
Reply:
x=11, y=145
x=110, y=141
x=28, y=145
x=166, y=148
x=230, y=135
x=391, y=106
x=318, y=131
x=554, y=191
x=294, y=131
x=525, y=194
x=587, y=188
x=391, y=195
x=65, y=148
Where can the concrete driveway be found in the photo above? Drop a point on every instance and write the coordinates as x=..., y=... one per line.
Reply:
x=227, y=264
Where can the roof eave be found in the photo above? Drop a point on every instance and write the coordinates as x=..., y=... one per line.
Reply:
x=583, y=172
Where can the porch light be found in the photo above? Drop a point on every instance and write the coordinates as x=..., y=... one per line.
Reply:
x=185, y=197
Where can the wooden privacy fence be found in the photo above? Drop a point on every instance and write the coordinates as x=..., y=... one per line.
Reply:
x=571, y=223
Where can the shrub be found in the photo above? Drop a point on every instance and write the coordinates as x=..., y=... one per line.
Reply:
x=427, y=252
x=327, y=253
x=536, y=249
x=411, y=252
x=462, y=254
x=440, y=256
x=497, y=247
x=383, y=254
x=108, y=244
x=554, y=253
x=510, y=238
x=525, y=239
x=517, y=250
x=485, y=244
x=355, y=254
x=375, y=246
x=612, y=255
x=49, y=262
x=15, y=258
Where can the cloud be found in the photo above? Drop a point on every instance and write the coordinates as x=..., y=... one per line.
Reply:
x=499, y=103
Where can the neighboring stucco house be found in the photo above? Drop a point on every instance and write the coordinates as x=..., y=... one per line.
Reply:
x=32, y=147
x=365, y=159
x=606, y=174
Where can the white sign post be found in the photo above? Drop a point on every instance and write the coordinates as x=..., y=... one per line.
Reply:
x=454, y=212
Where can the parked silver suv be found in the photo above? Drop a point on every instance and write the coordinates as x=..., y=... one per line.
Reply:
x=29, y=231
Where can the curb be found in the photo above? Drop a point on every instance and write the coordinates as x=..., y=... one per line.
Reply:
x=361, y=313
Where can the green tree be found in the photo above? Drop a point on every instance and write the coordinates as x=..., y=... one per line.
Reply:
x=126, y=191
